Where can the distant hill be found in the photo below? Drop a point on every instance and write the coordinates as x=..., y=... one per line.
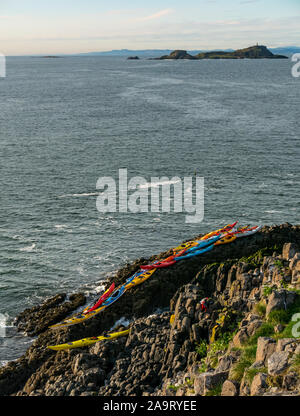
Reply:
x=130, y=52
x=145, y=53
x=286, y=50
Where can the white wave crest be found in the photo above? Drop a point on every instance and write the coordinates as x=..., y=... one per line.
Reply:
x=80, y=195
x=158, y=183
x=28, y=248
x=122, y=321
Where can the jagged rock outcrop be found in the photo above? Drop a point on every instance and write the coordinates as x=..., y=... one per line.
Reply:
x=178, y=54
x=240, y=345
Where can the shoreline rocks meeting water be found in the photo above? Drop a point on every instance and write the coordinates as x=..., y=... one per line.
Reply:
x=244, y=343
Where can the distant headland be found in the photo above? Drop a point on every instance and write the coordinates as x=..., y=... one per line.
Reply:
x=253, y=52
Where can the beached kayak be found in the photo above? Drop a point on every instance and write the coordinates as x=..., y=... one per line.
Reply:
x=204, y=243
x=134, y=280
x=140, y=278
x=101, y=299
x=195, y=253
x=88, y=341
x=226, y=239
x=248, y=231
x=162, y=263
x=225, y=229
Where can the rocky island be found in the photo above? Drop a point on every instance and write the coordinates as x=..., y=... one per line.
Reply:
x=245, y=342
x=253, y=52
x=178, y=54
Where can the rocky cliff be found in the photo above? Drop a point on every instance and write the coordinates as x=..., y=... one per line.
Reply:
x=243, y=344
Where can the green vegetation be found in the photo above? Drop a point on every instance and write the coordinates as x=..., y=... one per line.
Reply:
x=189, y=382
x=240, y=367
x=248, y=350
x=251, y=373
x=260, y=309
x=267, y=291
x=284, y=284
x=201, y=348
x=285, y=318
x=216, y=391
x=274, y=381
x=266, y=330
x=296, y=364
x=278, y=317
x=279, y=264
x=172, y=387
x=203, y=366
x=256, y=259
x=209, y=353
x=247, y=358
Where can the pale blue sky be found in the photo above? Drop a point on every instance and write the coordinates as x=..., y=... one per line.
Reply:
x=71, y=26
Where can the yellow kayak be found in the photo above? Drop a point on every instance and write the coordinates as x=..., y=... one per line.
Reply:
x=135, y=280
x=76, y=319
x=186, y=245
x=87, y=341
x=193, y=243
x=140, y=279
x=226, y=239
x=225, y=229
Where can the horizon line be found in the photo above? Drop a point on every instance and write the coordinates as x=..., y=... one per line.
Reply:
x=140, y=50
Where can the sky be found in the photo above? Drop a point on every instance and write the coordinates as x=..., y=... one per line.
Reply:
x=74, y=26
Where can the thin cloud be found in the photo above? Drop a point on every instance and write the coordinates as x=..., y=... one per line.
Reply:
x=156, y=15
x=249, y=1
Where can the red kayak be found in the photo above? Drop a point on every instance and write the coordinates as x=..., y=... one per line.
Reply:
x=163, y=263
x=101, y=299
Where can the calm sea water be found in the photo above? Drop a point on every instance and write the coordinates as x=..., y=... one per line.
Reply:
x=66, y=122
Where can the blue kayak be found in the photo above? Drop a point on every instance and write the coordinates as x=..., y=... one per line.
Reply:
x=195, y=253
x=203, y=244
x=115, y=296
x=120, y=291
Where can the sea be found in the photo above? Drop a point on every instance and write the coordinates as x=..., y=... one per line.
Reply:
x=66, y=122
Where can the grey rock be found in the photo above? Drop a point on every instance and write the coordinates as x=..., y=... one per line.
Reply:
x=230, y=388
x=240, y=337
x=265, y=348
x=259, y=384
x=280, y=299
x=289, y=250
x=286, y=343
x=226, y=361
x=207, y=381
x=253, y=327
x=277, y=363
x=290, y=381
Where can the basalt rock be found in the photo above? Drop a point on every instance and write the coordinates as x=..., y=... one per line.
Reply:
x=158, y=357
x=36, y=320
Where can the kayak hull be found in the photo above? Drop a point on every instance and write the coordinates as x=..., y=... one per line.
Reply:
x=87, y=341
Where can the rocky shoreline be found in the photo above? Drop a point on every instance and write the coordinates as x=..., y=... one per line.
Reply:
x=242, y=345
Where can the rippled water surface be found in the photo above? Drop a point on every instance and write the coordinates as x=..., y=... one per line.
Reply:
x=66, y=122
